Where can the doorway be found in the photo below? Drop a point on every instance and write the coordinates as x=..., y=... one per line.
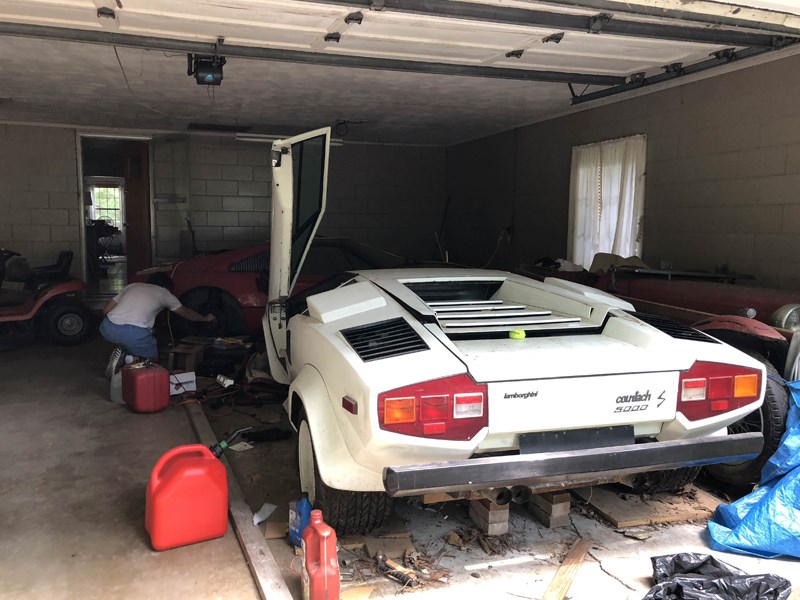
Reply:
x=116, y=203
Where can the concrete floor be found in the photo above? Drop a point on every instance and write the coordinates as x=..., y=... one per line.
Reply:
x=72, y=489
x=72, y=506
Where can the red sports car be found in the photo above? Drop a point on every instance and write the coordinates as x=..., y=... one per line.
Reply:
x=232, y=284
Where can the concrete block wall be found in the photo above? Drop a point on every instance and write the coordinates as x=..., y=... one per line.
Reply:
x=225, y=192
x=723, y=173
x=389, y=196
x=39, y=208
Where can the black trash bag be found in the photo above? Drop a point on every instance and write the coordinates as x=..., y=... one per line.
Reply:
x=688, y=576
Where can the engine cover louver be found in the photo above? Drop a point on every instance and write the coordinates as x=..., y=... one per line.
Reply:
x=384, y=340
x=674, y=329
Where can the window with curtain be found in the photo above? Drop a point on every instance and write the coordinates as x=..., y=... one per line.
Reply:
x=607, y=198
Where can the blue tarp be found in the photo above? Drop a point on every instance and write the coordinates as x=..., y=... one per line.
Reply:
x=766, y=522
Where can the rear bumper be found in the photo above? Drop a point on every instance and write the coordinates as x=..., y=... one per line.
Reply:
x=574, y=466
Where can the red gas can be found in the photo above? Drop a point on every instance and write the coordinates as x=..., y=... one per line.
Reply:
x=320, y=576
x=145, y=387
x=187, y=498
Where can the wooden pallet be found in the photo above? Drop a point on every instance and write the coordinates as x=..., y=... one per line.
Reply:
x=623, y=509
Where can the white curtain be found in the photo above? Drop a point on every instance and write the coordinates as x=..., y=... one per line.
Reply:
x=607, y=198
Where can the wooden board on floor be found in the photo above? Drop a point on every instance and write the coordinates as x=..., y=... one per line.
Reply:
x=630, y=510
x=266, y=573
x=562, y=581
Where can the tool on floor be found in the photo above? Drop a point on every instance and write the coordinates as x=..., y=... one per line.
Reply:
x=396, y=571
x=320, y=571
x=187, y=495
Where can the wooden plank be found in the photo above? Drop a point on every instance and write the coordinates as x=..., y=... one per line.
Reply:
x=566, y=573
x=628, y=510
x=265, y=571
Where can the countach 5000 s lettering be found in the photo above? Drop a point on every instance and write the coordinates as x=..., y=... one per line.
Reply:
x=637, y=397
x=414, y=381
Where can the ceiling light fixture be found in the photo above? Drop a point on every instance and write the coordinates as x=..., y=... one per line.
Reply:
x=207, y=70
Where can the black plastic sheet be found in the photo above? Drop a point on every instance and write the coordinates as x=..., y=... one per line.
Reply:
x=702, y=577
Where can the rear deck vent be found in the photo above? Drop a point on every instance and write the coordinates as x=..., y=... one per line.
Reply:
x=384, y=340
x=674, y=329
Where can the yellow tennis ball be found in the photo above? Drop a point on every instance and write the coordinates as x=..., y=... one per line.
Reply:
x=517, y=334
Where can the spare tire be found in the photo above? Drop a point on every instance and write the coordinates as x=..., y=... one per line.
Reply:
x=770, y=420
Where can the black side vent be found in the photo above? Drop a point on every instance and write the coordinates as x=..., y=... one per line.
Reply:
x=674, y=329
x=384, y=340
x=252, y=264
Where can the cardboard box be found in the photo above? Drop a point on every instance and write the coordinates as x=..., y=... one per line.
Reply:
x=182, y=382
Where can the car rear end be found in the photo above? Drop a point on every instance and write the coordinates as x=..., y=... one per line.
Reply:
x=470, y=402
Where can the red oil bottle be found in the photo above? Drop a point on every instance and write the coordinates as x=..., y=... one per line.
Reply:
x=320, y=575
x=145, y=387
x=187, y=498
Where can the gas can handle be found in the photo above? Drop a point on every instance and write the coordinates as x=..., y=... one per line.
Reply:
x=198, y=450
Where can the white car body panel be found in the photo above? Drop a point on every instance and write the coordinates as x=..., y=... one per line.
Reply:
x=584, y=363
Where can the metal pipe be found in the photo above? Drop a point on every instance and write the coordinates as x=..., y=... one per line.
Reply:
x=500, y=496
x=521, y=494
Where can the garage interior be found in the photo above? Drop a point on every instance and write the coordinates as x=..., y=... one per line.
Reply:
x=454, y=125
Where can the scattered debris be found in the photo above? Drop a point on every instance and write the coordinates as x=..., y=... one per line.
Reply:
x=491, y=544
x=455, y=540
x=263, y=513
x=638, y=533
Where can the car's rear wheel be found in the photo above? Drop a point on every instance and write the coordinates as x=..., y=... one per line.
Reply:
x=770, y=420
x=347, y=512
x=673, y=480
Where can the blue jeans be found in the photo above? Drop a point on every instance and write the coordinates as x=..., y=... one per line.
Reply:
x=137, y=341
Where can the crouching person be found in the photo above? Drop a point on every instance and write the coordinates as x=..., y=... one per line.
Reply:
x=130, y=316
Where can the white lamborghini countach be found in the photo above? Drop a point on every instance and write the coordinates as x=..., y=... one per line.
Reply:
x=481, y=383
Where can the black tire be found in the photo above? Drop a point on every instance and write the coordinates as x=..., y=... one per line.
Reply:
x=68, y=323
x=349, y=513
x=770, y=420
x=230, y=318
x=664, y=481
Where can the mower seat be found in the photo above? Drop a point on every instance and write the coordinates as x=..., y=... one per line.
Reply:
x=56, y=272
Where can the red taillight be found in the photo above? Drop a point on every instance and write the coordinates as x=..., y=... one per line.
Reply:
x=708, y=389
x=453, y=408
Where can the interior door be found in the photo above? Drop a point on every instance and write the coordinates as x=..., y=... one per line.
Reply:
x=299, y=192
x=136, y=157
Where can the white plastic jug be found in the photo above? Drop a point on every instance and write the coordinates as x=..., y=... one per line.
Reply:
x=116, y=388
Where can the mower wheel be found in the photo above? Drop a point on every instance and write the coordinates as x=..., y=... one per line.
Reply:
x=68, y=323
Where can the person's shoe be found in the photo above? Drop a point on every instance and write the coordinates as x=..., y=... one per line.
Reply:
x=115, y=361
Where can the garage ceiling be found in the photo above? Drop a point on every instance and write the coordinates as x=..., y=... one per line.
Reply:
x=413, y=71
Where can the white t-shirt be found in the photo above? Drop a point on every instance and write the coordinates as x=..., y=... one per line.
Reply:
x=139, y=304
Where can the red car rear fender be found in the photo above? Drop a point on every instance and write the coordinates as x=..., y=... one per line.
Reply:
x=742, y=325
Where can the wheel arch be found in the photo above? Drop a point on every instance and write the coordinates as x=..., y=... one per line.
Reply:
x=238, y=322
x=748, y=334
x=308, y=396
